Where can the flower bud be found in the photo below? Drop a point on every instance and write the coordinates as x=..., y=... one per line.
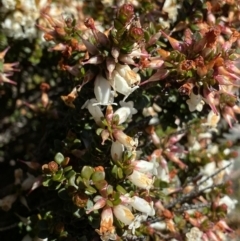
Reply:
x=124, y=139
x=53, y=166
x=125, y=13
x=117, y=150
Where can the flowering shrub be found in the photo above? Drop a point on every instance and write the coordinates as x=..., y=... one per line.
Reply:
x=120, y=119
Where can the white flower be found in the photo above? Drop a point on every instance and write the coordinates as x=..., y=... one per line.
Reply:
x=195, y=102
x=194, y=235
x=124, y=80
x=171, y=8
x=117, y=150
x=136, y=223
x=125, y=112
x=159, y=225
x=207, y=184
x=143, y=166
x=95, y=111
x=123, y=213
x=142, y=205
x=231, y=203
x=102, y=91
x=141, y=180
x=9, y=4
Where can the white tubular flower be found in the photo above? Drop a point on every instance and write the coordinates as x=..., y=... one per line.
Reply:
x=142, y=205
x=117, y=150
x=231, y=203
x=125, y=112
x=95, y=111
x=124, y=79
x=159, y=225
x=126, y=140
x=141, y=180
x=107, y=230
x=195, y=102
x=123, y=213
x=143, y=166
x=102, y=91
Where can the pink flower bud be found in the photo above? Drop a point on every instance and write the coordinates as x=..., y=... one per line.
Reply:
x=126, y=140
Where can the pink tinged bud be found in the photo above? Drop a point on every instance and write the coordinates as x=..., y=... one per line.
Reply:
x=59, y=47
x=155, y=63
x=211, y=19
x=94, y=60
x=105, y=135
x=115, y=53
x=142, y=205
x=174, y=43
x=231, y=67
x=9, y=67
x=123, y=214
x=224, y=71
x=159, y=75
x=223, y=226
x=209, y=98
x=141, y=180
x=110, y=62
x=107, y=230
x=125, y=58
x=74, y=70
x=102, y=91
x=3, y=53
x=124, y=139
x=229, y=115
x=172, y=157
x=101, y=202
x=212, y=236
x=4, y=79
x=117, y=150
x=95, y=111
x=143, y=166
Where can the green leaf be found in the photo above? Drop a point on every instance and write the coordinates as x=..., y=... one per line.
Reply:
x=59, y=158
x=98, y=176
x=87, y=172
